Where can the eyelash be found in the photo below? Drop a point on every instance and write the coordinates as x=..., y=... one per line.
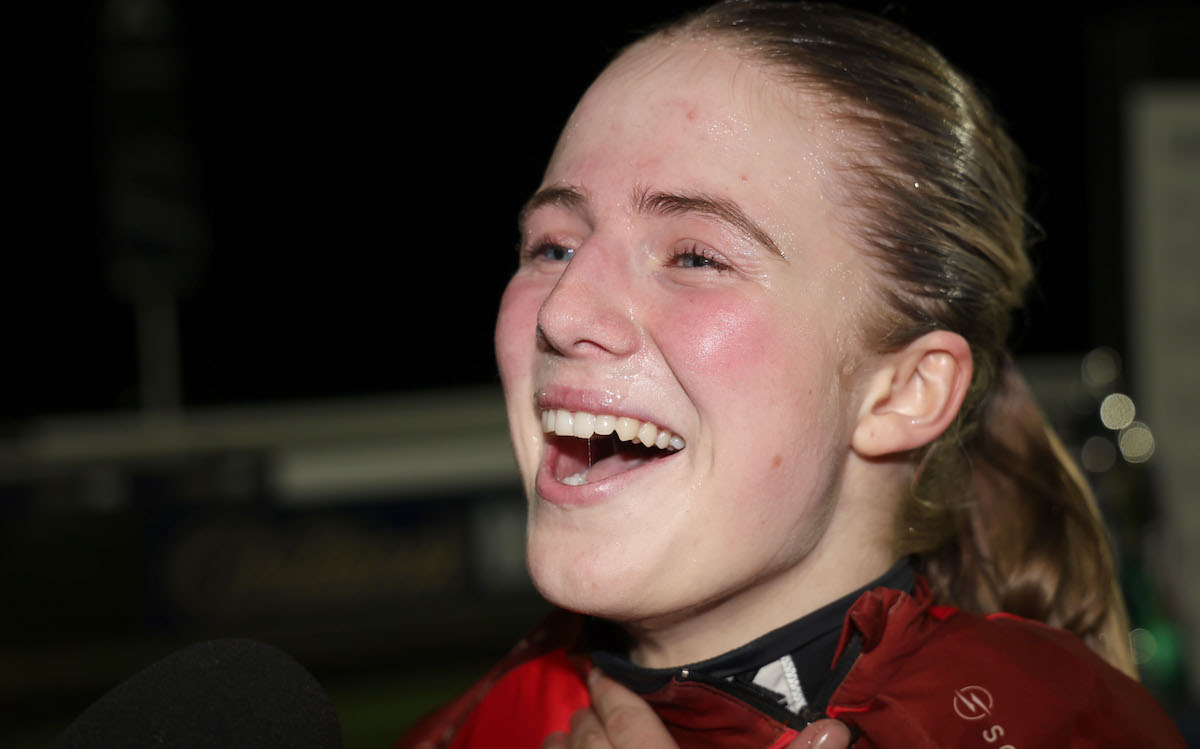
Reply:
x=537, y=250
x=696, y=251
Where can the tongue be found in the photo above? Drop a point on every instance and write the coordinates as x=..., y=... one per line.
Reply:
x=614, y=464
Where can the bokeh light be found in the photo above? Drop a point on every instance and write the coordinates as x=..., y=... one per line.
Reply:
x=1098, y=454
x=1144, y=645
x=1100, y=369
x=1117, y=411
x=1136, y=442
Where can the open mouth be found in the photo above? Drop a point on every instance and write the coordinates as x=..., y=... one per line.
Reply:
x=593, y=447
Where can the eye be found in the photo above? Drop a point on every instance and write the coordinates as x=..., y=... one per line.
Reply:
x=550, y=252
x=555, y=252
x=696, y=256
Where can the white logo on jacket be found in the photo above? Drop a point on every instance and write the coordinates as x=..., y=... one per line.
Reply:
x=974, y=703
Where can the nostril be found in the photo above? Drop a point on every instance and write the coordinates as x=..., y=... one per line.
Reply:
x=555, y=321
x=544, y=343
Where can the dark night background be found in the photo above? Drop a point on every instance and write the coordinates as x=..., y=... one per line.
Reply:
x=352, y=172
x=351, y=160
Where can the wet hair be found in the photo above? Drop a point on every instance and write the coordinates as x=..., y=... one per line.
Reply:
x=997, y=515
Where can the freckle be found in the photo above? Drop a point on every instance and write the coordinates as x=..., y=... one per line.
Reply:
x=777, y=461
x=691, y=115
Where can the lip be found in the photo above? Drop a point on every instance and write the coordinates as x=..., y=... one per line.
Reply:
x=585, y=495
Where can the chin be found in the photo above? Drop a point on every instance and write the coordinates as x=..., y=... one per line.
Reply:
x=588, y=580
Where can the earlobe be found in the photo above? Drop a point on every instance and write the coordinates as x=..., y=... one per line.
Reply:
x=914, y=395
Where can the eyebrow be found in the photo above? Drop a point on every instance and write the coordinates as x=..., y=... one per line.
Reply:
x=564, y=197
x=660, y=204
x=722, y=209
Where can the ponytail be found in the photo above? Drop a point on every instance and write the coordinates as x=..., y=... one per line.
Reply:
x=1028, y=537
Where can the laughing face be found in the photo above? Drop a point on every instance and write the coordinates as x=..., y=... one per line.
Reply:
x=674, y=346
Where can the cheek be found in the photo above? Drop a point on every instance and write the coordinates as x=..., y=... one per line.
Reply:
x=756, y=370
x=516, y=325
x=718, y=336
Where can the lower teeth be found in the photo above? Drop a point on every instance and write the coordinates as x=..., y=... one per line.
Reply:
x=578, y=479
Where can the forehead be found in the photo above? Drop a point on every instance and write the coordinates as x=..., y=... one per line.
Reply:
x=694, y=113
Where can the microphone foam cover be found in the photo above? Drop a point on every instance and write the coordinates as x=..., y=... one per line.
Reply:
x=222, y=693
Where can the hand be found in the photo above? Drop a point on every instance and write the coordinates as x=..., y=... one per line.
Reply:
x=619, y=719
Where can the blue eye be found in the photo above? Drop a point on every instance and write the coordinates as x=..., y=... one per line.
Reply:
x=697, y=257
x=691, y=260
x=553, y=252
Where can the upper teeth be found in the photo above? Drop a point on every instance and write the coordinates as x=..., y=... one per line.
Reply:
x=583, y=425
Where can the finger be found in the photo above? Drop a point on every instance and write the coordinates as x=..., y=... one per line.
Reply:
x=556, y=740
x=587, y=732
x=823, y=734
x=629, y=721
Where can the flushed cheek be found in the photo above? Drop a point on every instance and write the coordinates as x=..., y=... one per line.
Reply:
x=716, y=336
x=753, y=373
x=516, y=325
x=516, y=331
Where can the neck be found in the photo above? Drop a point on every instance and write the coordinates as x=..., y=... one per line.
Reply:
x=821, y=577
x=855, y=547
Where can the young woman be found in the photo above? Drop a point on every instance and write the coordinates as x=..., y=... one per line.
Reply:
x=778, y=462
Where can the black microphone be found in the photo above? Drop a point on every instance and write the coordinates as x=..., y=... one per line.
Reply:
x=222, y=694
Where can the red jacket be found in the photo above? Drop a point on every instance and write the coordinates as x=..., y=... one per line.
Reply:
x=925, y=676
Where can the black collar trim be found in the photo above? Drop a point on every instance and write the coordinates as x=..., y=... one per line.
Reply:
x=609, y=650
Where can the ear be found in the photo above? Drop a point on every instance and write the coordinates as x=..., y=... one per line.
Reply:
x=913, y=395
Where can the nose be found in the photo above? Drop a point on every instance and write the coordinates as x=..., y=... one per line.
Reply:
x=590, y=311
